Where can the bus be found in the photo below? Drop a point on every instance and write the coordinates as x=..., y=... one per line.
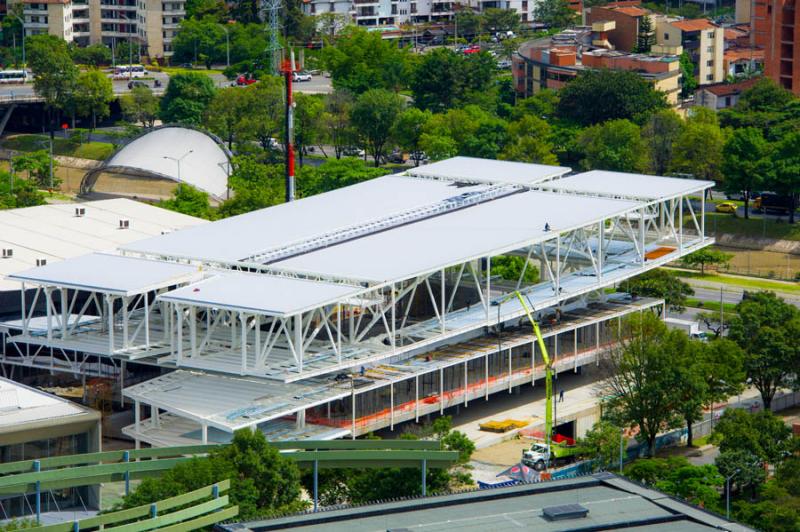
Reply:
x=129, y=71
x=13, y=76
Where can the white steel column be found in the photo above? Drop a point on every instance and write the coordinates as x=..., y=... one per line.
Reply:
x=441, y=391
x=443, y=303
x=486, y=379
x=488, y=292
x=575, y=347
x=179, y=326
x=136, y=420
x=642, y=234
x=122, y=367
x=110, y=309
x=703, y=215
x=64, y=312
x=339, y=333
x=204, y=432
x=391, y=405
x=193, y=330
x=48, y=301
x=558, y=267
x=125, y=340
x=416, y=398
x=243, y=321
x=533, y=362
x=23, y=305
x=298, y=339
x=466, y=384
x=394, y=330
x=600, y=247
x=147, y=320
x=680, y=224
x=509, y=370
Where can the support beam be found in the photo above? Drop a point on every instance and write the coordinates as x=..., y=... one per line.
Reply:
x=441, y=391
x=243, y=322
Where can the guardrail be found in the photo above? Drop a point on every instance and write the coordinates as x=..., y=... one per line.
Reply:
x=33, y=476
x=199, y=515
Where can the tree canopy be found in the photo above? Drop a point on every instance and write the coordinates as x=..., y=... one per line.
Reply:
x=186, y=98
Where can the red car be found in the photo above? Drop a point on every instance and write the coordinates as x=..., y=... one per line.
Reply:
x=472, y=49
x=243, y=80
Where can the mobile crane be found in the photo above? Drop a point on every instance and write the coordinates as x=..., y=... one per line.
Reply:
x=551, y=449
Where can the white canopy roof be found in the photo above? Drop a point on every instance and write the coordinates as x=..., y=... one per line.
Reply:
x=628, y=186
x=240, y=237
x=263, y=294
x=490, y=228
x=20, y=404
x=111, y=274
x=203, y=163
x=473, y=170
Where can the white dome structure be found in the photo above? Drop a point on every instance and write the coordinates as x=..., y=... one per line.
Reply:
x=177, y=153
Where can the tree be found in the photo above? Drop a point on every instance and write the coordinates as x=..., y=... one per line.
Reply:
x=745, y=466
x=509, y=267
x=444, y=78
x=408, y=131
x=199, y=40
x=705, y=257
x=746, y=163
x=554, y=13
x=645, y=38
x=600, y=95
x=94, y=95
x=265, y=120
x=721, y=364
x=693, y=392
x=186, y=98
x=529, y=142
x=16, y=192
x=661, y=284
x=335, y=173
x=374, y=115
x=37, y=165
x=660, y=133
x=688, y=81
x=786, y=180
x=140, y=106
x=55, y=75
x=642, y=381
x=361, y=59
x=614, y=145
x=255, y=185
x=762, y=434
x=469, y=22
x=307, y=122
x=94, y=55
x=188, y=200
x=336, y=118
x=601, y=444
x=698, y=148
x=262, y=479
x=766, y=328
x=226, y=113
x=495, y=19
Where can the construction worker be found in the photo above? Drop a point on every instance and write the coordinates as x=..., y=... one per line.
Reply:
x=561, y=395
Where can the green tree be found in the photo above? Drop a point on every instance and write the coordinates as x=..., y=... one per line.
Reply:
x=767, y=328
x=443, y=78
x=661, y=284
x=37, y=165
x=529, y=141
x=469, y=22
x=265, y=121
x=94, y=55
x=697, y=484
x=16, y=192
x=335, y=173
x=543, y=104
x=707, y=257
x=660, y=133
x=262, y=480
x=255, y=185
x=698, y=148
x=225, y=115
x=55, y=75
x=746, y=467
x=602, y=443
x=199, y=40
x=600, y=95
x=140, y=106
x=652, y=470
x=188, y=200
x=336, y=118
x=374, y=115
x=614, y=145
x=94, y=95
x=688, y=80
x=200, y=9
x=186, y=98
x=786, y=179
x=494, y=19
x=408, y=131
x=693, y=392
x=307, y=122
x=509, y=267
x=746, y=163
x=645, y=37
x=721, y=364
x=642, y=381
x=554, y=13
x=762, y=434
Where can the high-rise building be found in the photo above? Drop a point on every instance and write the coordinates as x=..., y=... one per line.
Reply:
x=776, y=27
x=702, y=39
x=149, y=24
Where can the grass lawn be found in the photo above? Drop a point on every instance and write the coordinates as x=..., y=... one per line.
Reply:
x=719, y=223
x=61, y=146
x=742, y=282
x=178, y=70
x=711, y=306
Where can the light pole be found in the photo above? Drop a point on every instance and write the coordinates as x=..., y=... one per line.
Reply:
x=621, y=449
x=226, y=166
x=227, y=46
x=22, y=23
x=178, y=161
x=728, y=494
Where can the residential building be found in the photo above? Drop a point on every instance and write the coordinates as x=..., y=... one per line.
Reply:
x=552, y=62
x=149, y=24
x=627, y=21
x=739, y=62
x=35, y=424
x=722, y=95
x=743, y=11
x=776, y=27
x=703, y=40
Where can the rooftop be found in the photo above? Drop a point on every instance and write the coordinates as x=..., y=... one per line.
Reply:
x=54, y=232
x=696, y=24
x=612, y=502
x=628, y=186
x=473, y=170
x=730, y=89
x=21, y=406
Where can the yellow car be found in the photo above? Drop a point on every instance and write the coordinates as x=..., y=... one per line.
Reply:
x=726, y=206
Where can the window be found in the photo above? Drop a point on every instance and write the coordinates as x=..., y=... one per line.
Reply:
x=710, y=63
x=666, y=36
x=710, y=49
x=710, y=77
x=710, y=34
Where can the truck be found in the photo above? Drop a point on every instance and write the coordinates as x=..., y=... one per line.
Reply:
x=769, y=201
x=541, y=456
x=691, y=328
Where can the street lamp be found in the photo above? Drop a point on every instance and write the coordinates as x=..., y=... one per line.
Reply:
x=22, y=22
x=178, y=161
x=226, y=167
x=227, y=45
x=728, y=494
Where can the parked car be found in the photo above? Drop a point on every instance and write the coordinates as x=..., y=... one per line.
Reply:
x=132, y=84
x=353, y=151
x=726, y=206
x=301, y=76
x=186, y=65
x=504, y=63
x=243, y=80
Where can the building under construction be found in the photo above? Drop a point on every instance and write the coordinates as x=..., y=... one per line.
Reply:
x=361, y=308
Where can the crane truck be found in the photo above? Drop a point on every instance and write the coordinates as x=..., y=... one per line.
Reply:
x=553, y=448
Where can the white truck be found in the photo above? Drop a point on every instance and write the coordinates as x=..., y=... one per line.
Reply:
x=691, y=328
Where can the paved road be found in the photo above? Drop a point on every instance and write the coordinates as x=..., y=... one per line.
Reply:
x=710, y=291
x=317, y=85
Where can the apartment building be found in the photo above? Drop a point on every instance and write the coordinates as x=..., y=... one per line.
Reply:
x=150, y=24
x=776, y=28
x=552, y=62
x=627, y=21
x=701, y=38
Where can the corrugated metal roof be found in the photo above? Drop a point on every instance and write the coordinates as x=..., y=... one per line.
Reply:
x=20, y=404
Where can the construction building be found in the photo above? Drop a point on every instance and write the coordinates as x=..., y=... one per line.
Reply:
x=776, y=28
x=361, y=308
x=149, y=25
x=552, y=62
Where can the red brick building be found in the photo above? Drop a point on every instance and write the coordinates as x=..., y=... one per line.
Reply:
x=776, y=27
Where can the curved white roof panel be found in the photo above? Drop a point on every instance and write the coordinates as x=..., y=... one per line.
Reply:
x=627, y=186
x=474, y=170
x=203, y=162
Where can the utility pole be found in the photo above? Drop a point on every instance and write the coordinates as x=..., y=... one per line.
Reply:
x=288, y=69
x=271, y=13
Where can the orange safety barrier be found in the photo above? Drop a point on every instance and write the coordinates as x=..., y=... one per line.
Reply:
x=658, y=252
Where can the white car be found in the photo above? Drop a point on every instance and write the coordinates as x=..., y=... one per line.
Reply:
x=301, y=76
